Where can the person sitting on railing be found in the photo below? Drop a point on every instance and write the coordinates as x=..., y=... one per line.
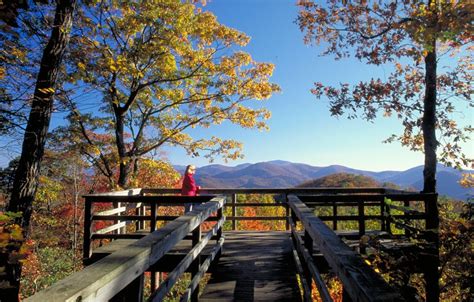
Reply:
x=189, y=187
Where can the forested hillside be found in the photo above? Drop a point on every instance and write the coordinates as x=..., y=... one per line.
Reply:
x=342, y=180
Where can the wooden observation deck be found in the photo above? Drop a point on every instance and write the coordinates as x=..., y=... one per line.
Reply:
x=141, y=239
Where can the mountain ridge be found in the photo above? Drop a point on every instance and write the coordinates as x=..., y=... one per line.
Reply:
x=279, y=173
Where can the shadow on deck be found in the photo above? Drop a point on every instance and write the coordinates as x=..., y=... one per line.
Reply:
x=254, y=266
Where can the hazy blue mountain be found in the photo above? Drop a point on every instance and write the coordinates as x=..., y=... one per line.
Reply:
x=278, y=173
x=179, y=168
x=447, y=184
x=213, y=169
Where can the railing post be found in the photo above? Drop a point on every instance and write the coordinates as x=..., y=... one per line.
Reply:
x=155, y=280
x=345, y=296
x=406, y=203
x=287, y=213
x=382, y=215
x=234, y=212
x=294, y=223
x=132, y=292
x=334, y=215
x=308, y=243
x=87, y=248
x=153, y=209
x=220, y=214
x=117, y=205
x=138, y=224
x=387, y=215
x=196, y=263
x=360, y=206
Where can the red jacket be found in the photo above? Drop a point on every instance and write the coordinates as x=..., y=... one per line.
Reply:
x=189, y=185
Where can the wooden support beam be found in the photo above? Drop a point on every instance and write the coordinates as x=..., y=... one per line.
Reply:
x=185, y=263
x=306, y=256
x=111, y=212
x=153, y=213
x=87, y=247
x=196, y=263
x=167, y=199
x=299, y=268
x=360, y=281
x=203, y=269
x=105, y=278
x=111, y=228
x=234, y=211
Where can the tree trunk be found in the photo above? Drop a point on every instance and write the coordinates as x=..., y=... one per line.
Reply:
x=431, y=271
x=429, y=123
x=124, y=165
x=26, y=177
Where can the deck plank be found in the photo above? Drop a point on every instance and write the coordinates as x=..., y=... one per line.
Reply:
x=254, y=266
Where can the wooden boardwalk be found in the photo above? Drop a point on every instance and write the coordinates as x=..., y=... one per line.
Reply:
x=254, y=266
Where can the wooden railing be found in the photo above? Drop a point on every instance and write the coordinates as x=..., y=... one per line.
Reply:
x=394, y=208
x=134, y=214
x=280, y=196
x=233, y=203
x=398, y=214
x=360, y=282
x=130, y=215
x=403, y=207
x=120, y=275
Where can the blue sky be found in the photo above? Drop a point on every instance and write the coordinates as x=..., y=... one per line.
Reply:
x=301, y=128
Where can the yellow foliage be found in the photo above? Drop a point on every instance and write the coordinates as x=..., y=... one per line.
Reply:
x=170, y=66
x=155, y=174
x=467, y=180
x=81, y=66
x=11, y=238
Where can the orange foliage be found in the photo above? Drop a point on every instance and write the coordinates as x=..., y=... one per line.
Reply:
x=334, y=287
x=253, y=225
x=31, y=269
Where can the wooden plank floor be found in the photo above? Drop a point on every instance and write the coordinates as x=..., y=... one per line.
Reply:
x=254, y=266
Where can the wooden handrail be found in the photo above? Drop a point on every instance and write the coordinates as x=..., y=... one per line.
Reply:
x=312, y=191
x=359, y=280
x=175, y=199
x=317, y=197
x=129, y=192
x=127, y=202
x=126, y=266
x=104, y=279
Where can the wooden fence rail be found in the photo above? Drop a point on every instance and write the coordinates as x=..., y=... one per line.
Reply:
x=134, y=214
x=121, y=217
x=121, y=273
x=280, y=193
x=360, y=282
x=336, y=198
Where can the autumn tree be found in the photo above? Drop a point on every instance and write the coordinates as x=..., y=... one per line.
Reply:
x=413, y=36
x=155, y=174
x=56, y=222
x=159, y=69
x=27, y=173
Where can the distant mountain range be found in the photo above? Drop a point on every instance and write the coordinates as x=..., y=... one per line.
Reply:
x=284, y=174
